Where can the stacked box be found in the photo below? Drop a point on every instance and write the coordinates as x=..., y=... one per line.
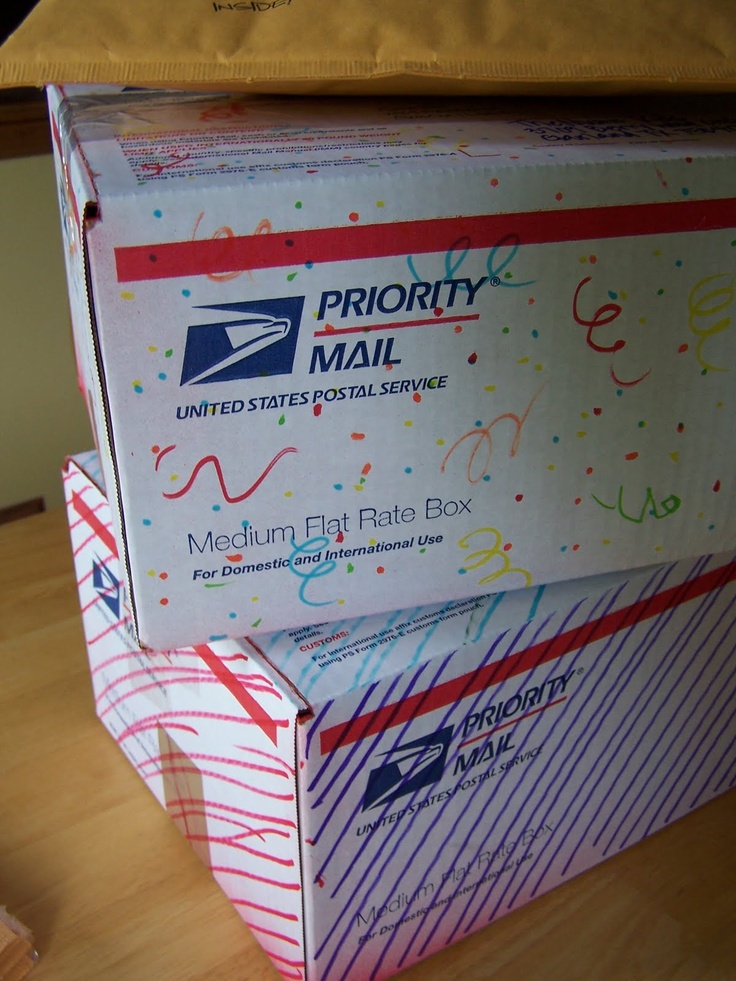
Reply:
x=369, y=790
x=346, y=356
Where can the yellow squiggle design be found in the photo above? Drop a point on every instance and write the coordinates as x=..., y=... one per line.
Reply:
x=706, y=303
x=484, y=555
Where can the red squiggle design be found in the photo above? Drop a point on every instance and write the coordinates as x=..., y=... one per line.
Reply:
x=247, y=832
x=160, y=454
x=605, y=314
x=255, y=928
x=154, y=721
x=174, y=760
x=627, y=384
x=215, y=776
x=214, y=460
x=238, y=901
x=282, y=970
x=245, y=874
x=158, y=168
x=169, y=759
x=239, y=847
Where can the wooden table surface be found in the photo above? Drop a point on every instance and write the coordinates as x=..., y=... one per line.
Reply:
x=93, y=865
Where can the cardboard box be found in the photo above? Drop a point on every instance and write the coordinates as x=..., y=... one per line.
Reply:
x=368, y=791
x=344, y=357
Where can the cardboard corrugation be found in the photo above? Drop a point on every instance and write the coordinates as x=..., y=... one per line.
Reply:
x=306, y=46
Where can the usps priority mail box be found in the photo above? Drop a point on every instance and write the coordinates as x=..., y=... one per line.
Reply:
x=371, y=790
x=344, y=357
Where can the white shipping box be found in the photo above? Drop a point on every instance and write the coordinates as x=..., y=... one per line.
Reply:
x=369, y=791
x=344, y=357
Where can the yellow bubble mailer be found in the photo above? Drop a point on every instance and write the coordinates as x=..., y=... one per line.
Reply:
x=507, y=47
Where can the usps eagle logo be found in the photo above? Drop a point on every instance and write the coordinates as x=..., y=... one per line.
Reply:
x=107, y=586
x=258, y=340
x=408, y=768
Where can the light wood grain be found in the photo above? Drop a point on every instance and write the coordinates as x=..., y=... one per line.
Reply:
x=98, y=872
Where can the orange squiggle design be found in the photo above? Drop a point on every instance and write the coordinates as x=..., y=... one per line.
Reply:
x=220, y=477
x=483, y=438
x=225, y=231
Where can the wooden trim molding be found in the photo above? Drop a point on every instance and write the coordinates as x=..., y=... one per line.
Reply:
x=13, y=512
x=24, y=123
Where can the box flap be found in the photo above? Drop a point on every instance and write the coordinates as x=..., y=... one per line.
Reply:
x=330, y=659
x=143, y=142
x=89, y=464
x=476, y=46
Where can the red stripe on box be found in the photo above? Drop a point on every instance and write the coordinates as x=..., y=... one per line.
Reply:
x=88, y=515
x=448, y=692
x=255, y=710
x=166, y=260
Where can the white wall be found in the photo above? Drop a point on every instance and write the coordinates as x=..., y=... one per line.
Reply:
x=42, y=414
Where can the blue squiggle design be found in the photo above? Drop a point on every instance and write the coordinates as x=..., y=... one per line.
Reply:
x=312, y=546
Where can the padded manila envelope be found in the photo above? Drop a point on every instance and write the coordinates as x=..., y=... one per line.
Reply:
x=309, y=46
